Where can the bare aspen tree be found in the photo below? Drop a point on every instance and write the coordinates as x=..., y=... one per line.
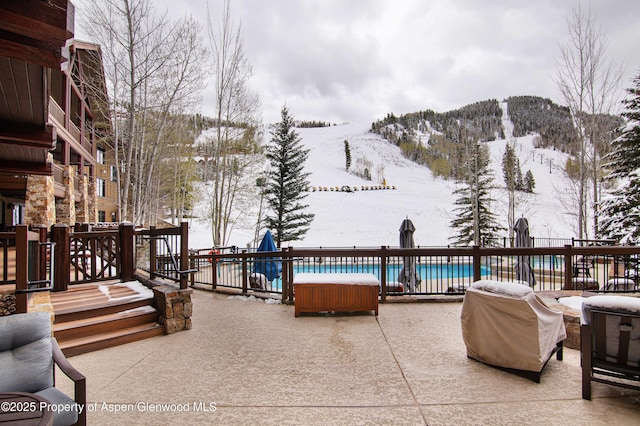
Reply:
x=235, y=138
x=589, y=85
x=154, y=69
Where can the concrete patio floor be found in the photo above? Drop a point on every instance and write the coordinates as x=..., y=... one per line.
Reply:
x=252, y=363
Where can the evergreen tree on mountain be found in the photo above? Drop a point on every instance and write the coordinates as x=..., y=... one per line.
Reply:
x=347, y=155
x=287, y=183
x=621, y=208
x=529, y=182
x=474, y=220
x=510, y=169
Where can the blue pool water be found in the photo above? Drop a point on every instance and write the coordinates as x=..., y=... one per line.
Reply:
x=547, y=262
x=426, y=271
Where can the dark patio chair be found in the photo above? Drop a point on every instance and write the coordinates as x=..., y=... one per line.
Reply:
x=28, y=355
x=610, y=342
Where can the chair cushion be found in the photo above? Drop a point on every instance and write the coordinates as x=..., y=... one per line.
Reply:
x=67, y=413
x=508, y=288
x=27, y=368
x=26, y=362
x=616, y=304
x=615, y=308
x=20, y=329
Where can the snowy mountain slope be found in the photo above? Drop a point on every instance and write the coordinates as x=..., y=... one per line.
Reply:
x=547, y=208
x=373, y=217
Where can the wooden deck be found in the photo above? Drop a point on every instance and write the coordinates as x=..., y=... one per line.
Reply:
x=94, y=316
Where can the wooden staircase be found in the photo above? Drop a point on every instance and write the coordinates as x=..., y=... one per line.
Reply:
x=94, y=316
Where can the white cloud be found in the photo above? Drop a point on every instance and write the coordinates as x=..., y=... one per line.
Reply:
x=340, y=60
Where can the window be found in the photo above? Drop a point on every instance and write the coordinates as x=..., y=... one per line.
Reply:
x=100, y=155
x=102, y=217
x=114, y=171
x=101, y=187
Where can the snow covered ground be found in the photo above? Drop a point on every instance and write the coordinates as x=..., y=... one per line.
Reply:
x=373, y=217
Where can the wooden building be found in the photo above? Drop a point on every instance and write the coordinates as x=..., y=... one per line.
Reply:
x=54, y=130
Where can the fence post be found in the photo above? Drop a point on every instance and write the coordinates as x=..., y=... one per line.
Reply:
x=192, y=265
x=22, y=268
x=153, y=254
x=477, y=262
x=184, y=252
x=568, y=267
x=244, y=273
x=289, y=268
x=214, y=268
x=383, y=273
x=127, y=251
x=60, y=235
x=285, y=274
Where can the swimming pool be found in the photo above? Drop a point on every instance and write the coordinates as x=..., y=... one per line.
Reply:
x=431, y=271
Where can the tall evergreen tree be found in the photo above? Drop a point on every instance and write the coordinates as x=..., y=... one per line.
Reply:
x=287, y=182
x=474, y=221
x=621, y=208
x=510, y=167
x=347, y=154
x=529, y=182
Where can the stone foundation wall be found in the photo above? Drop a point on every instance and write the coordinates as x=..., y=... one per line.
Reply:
x=92, y=206
x=81, y=205
x=174, y=306
x=66, y=206
x=7, y=304
x=36, y=302
x=40, y=205
x=41, y=302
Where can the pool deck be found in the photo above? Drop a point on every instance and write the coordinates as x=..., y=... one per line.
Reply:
x=248, y=362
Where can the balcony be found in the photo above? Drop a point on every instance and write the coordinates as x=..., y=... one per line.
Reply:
x=73, y=132
x=56, y=112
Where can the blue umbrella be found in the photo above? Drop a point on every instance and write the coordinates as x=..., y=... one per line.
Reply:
x=270, y=267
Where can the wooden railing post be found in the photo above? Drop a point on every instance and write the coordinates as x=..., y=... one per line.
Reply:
x=127, y=251
x=184, y=253
x=244, y=273
x=214, y=270
x=22, y=268
x=289, y=267
x=61, y=236
x=153, y=252
x=568, y=267
x=383, y=273
x=477, y=263
x=285, y=275
x=192, y=265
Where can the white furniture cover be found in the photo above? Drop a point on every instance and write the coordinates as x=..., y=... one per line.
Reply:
x=617, y=306
x=507, y=325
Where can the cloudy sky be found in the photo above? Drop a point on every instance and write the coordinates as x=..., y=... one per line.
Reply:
x=357, y=60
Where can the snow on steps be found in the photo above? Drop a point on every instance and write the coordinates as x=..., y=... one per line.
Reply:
x=95, y=316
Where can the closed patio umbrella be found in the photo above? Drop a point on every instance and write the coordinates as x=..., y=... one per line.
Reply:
x=408, y=275
x=524, y=272
x=270, y=267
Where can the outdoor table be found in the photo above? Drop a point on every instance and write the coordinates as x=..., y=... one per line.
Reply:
x=24, y=409
x=340, y=292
